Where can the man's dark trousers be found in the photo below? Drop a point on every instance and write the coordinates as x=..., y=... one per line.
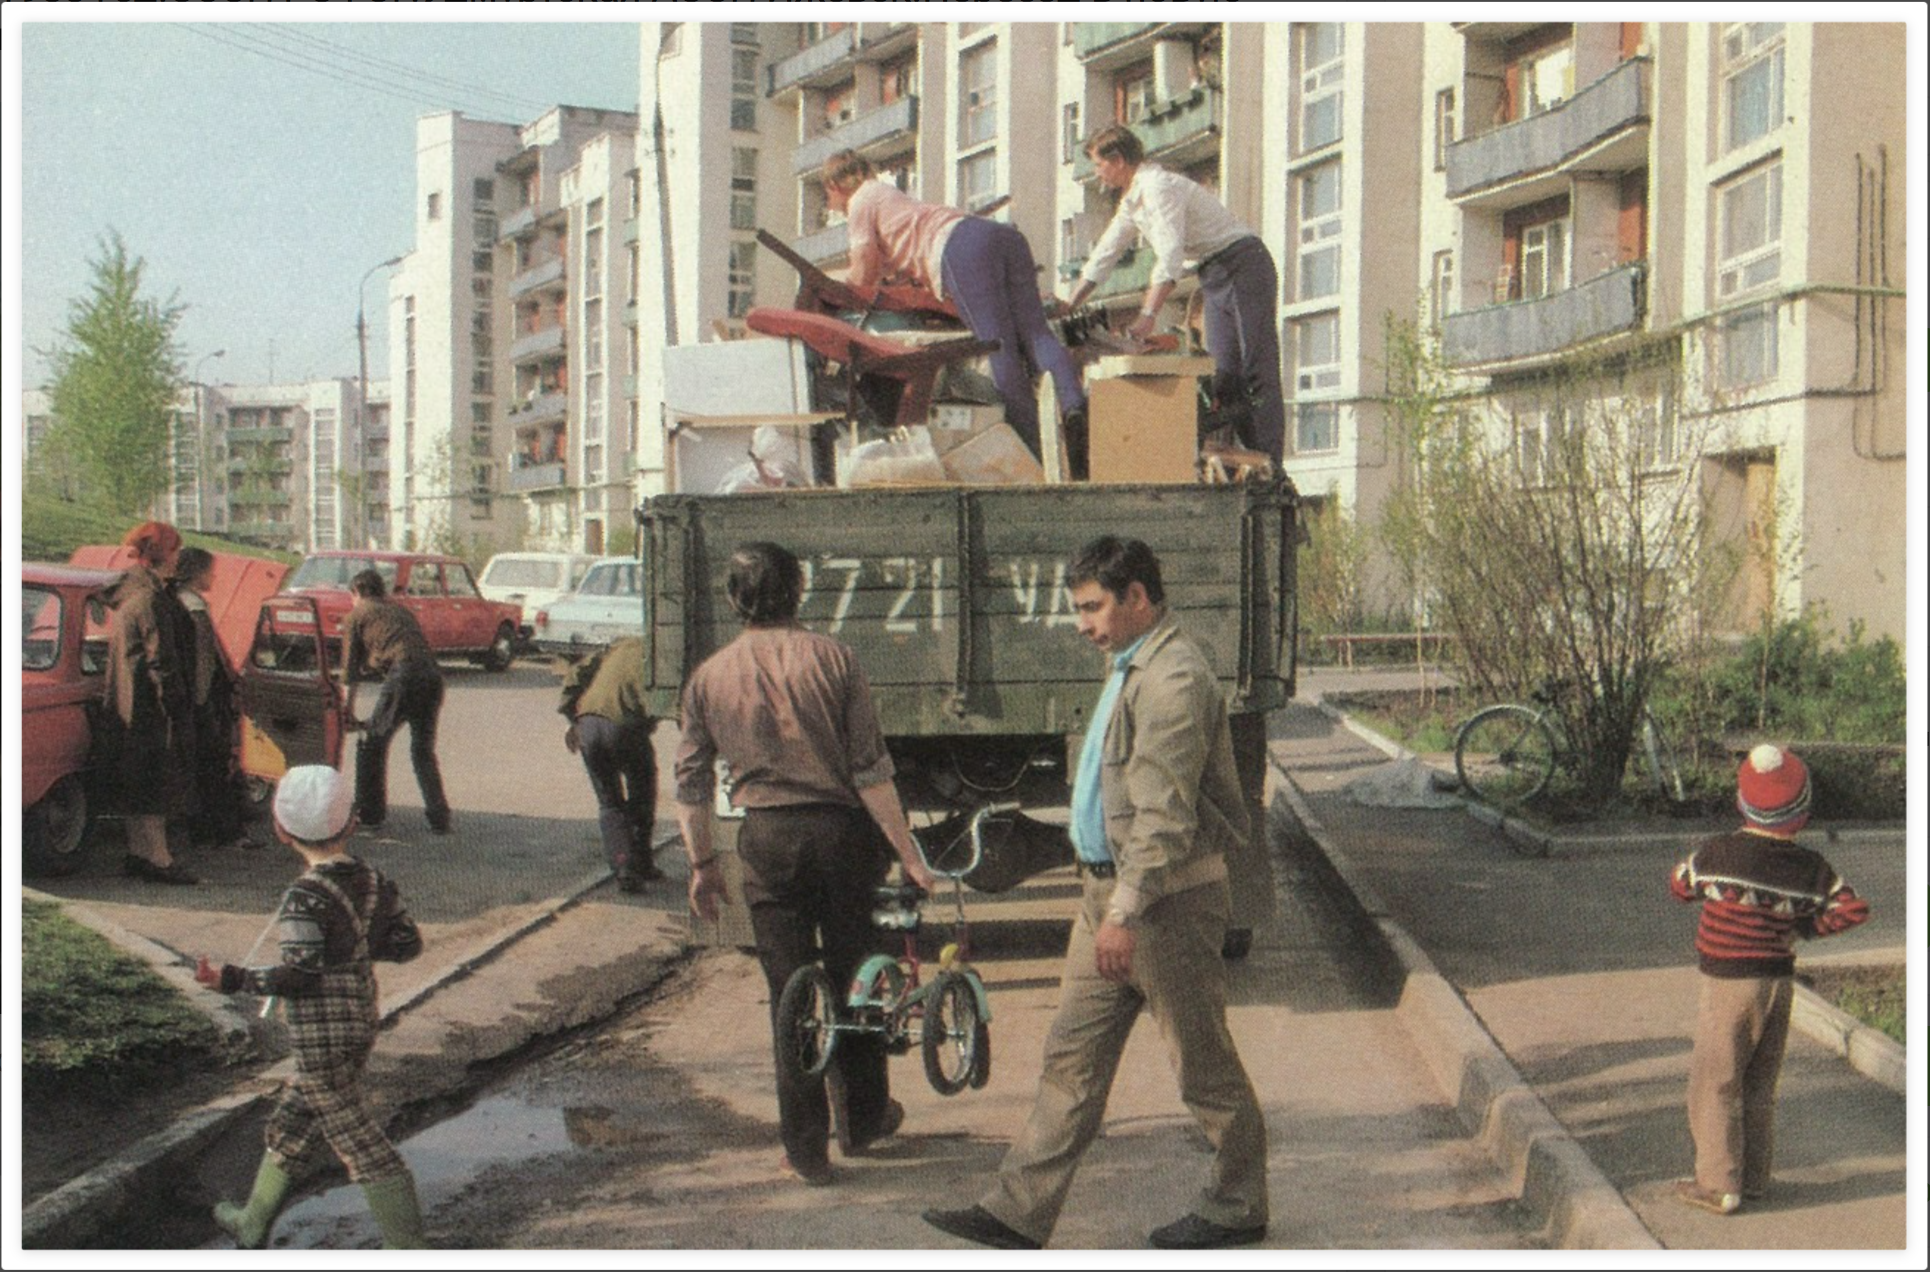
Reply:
x=411, y=694
x=623, y=772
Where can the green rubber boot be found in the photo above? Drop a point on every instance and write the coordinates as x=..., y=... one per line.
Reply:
x=249, y=1225
x=392, y=1200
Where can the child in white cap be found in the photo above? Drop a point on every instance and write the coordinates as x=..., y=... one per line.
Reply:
x=1759, y=890
x=337, y=917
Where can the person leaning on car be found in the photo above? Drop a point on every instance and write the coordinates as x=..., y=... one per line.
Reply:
x=380, y=637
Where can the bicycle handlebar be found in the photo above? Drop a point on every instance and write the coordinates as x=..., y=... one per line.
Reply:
x=977, y=835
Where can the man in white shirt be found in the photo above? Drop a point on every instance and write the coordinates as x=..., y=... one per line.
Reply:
x=1180, y=220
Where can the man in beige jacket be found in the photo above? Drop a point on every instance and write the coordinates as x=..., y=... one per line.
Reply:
x=1156, y=807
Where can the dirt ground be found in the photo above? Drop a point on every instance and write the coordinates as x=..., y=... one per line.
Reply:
x=68, y=1128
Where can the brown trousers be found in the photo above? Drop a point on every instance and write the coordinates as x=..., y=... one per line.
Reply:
x=1741, y=1030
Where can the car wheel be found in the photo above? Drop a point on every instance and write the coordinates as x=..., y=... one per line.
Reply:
x=54, y=831
x=501, y=651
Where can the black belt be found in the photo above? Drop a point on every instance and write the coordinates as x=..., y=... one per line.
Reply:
x=1208, y=260
x=1097, y=869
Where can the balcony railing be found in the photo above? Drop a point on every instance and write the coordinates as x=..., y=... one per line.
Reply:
x=827, y=244
x=1173, y=132
x=242, y=497
x=262, y=434
x=1129, y=277
x=525, y=476
x=537, y=343
x=521, y=221
x=1617, y=101
x=550, y=271
x=541, y=409
x=818, y=58
x=1610, y=303
x=1089, y=38
x=897, y=120
x=259, y=464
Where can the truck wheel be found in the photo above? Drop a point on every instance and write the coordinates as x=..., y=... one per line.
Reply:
x=501, y=651
x=54, y=831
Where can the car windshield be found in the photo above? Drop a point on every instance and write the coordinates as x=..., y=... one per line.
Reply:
x=40, y=614
x=618, y=578
x=336, y=571
x=505, y=572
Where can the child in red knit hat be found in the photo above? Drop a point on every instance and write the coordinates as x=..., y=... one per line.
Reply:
x=1759, y=891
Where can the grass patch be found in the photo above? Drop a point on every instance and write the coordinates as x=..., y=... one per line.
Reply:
x=52, y=527
x=89, y=1013
x=1873, y=995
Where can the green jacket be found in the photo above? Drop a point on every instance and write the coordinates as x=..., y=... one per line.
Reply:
x=607, y=684
x=1168, y=783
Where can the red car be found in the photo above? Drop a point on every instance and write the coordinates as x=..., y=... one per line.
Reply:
x=457, y=619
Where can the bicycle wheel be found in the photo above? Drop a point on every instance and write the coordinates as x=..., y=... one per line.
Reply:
x=982, y=1059
x=1661, y=759
x=806, y=1030
x=951, y=1033
x=1505, y=755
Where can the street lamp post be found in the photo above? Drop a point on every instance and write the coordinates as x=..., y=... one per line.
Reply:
x=360, y=511
x=200, y=439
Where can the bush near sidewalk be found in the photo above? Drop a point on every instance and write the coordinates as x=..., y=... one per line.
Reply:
x=91, y=1014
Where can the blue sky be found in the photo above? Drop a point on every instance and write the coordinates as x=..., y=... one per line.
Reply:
x=261, y=167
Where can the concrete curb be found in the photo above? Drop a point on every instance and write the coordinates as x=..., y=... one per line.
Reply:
x=1553, y=1176
x=1871, y=1052
x=73, y=1215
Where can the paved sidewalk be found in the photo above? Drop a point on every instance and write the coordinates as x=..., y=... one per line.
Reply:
x=1581, y=967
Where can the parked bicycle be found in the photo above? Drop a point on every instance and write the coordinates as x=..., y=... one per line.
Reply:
x=950, y=1016
x=1507, y=754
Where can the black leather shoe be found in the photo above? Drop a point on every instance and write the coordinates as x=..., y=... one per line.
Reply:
x=980, y=1225
x=1195, y=1233
x=174, y=873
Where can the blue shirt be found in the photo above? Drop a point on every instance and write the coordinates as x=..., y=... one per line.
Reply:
x=1088, y=813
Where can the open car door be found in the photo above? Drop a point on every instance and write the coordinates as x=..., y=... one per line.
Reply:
x=291, y=711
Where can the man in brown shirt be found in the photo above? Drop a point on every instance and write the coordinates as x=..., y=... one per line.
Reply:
x=790, y=713
x=382, y=638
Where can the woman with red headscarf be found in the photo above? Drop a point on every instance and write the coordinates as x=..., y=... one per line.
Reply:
x=148, y=689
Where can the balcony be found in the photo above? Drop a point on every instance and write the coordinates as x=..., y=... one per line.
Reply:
x=1089, y=39
x=1600, y=129
x=260, y=464
x=537, y=344
x=807, y=65
x=270, y=531
x=526, y=475
x=1130, y=277
x=263, y=434
x=243, y=498
x=544, y=408
x=537, y=276
x=869, y=135
x=632, y=230
x=518, y=224
x=1175, y=133
x=1527, y=329
x=828, y=244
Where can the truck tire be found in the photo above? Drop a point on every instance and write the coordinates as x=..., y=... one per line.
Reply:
x=54, y=831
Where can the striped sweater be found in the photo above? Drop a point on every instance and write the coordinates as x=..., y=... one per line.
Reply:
x=1758, y=894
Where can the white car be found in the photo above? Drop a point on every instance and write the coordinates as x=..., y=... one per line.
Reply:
x=607, y=605
x=534, y=579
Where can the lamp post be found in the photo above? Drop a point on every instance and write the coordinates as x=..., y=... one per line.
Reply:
x=362, y=398
x=200, y=438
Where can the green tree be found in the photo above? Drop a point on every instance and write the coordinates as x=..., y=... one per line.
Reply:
x=115, y=377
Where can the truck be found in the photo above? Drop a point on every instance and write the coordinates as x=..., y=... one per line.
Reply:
x=954, y=599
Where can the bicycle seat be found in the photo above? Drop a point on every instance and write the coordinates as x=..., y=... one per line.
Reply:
x=896, y=907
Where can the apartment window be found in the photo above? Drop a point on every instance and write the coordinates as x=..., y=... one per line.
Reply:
x=479, y=287
x=593, y=212
x=593, y=408
x=485, y=228
x=1321, y=73
x=1442, y=298
x=897, y=78
x=484, y=192
x=1547, y=79
x=1069, y=137
x=840, y=105
x=1748, y=342
x=1752, y=231
x=1070, y=248
x=481, y=381
x=593, y=263
x=743, y=188
x=1134, y=95
x=1319, y=271
x=1446, y=126
x=1537, y=447
x=481, y=262
x=1317, y=352
x=1752, y=86
x=1657, y=443
x=480, y=345
x=978, y=95
x=977, y=177
x=744, y=33
x=1316, y=427
x=743, y=278
x=743, y=90
x=633, y=185
x=479, y=413
x=435, y=205
x=1544, y=259
x=593, y=333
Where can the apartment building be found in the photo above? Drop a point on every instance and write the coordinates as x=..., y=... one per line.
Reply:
x=1695, y=220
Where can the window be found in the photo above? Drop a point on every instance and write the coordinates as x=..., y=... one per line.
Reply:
x=480, y=382
x=743, y=278
x=435, y=205
x=1752, y=231
x=1321, y=73
x=896, y=79
x=1446, y=124
x=1317, y=352
x=1537, y=448
x=1748, y=346
x=593, y=263
x=593, y=333
x=1316, y=427
x=743, y=188
x=978, y=95
x=1443, y=298
x=1134, y=94
x=593, y=212
x=481, y=262
x=1752, y=86
x=1069, y=138
x=593, y=408
x=840, y=105
x=1319, y=271
x=1657, y=443
x=1070, y=248
x=479, y=287
x=977, y=177
x=485, y=192
x=485, y=228
x=744, y=33
x=479, y=413
x=1544, y=259
x=1547, y=79
x=743, y=90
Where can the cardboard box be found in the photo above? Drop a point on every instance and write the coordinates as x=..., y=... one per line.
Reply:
x=1144, y=428
x=996, y=457
x=955, y=422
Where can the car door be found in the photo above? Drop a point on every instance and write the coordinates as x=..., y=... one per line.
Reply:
x=422, y=595
x=291, y=710
x=471, y=618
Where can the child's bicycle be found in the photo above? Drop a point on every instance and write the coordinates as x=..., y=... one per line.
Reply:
x=1506, y=754
x=886, y=997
